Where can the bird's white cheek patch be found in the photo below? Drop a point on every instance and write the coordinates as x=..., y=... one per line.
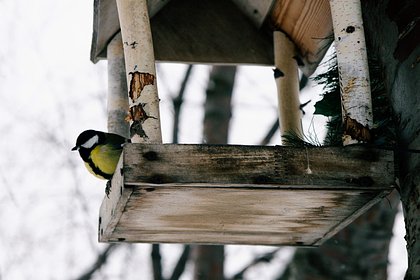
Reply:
x=89, y=143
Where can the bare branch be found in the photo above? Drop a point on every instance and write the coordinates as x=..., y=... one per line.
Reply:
x=177, y=102
x=156, y=262
x=100, y=261
x=271, y=132
x=180, y=266
x=266, y=258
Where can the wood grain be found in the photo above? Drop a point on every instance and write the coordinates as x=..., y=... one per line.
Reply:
x=236, y=216
x=210, y=195
x=112, y=207
x=190, y=31
x=222, y=32
x=258, y=166
x=309, y=24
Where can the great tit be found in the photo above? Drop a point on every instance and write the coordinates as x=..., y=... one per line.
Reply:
x=100, y=151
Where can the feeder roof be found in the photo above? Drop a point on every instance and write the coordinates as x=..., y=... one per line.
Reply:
x=224, y=32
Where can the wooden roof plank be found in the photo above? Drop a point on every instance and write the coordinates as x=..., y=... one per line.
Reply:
x=106, y=24
x=208, y=31
x=224, y=32
x=254, y=165
x=308, y=24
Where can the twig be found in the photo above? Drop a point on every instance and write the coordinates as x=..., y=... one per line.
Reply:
x=180, y=266
x=268, y=257
x=271, y=132
x=177, y=102
x=156, y=261
x=100, y=261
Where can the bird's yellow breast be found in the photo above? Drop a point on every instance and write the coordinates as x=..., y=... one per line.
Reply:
x=105, y=158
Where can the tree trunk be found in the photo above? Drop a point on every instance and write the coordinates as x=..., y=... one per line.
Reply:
x=217, y=113
x=117, y=88
x=393, y=35
x=217, y=109
x=360, y=251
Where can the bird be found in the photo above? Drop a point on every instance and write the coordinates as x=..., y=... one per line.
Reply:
x=100, y=151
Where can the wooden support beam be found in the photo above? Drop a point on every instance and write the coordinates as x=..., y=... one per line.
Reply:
x=286, y=74
x=353, y=70
x=221, y=194
x=117, y=106
x=233, y=165
x=143, y=97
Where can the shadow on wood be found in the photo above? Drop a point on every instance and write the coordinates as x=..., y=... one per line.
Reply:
x=220, y=194
x=224, y=32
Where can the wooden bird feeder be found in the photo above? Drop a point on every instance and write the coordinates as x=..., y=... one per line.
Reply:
x=221, y=194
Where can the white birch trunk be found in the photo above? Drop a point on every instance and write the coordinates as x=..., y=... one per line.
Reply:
x=137, y=41
x=353, y=70
x=117, y=106
x=287, y=81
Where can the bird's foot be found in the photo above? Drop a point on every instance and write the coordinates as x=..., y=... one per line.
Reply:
x=108, y=188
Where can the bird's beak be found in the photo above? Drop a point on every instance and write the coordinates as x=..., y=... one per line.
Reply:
x=75, y=148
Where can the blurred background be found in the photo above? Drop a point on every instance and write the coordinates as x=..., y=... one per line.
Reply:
x=49, y=203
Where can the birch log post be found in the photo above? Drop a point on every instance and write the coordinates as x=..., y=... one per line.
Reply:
x=287, y=80
x=143, y=97
x=353, y=70
x=117, y=106
x=143, y=100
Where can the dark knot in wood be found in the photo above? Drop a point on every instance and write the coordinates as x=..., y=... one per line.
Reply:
x=150, y=155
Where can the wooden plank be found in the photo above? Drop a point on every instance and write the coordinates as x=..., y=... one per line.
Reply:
x=220, y=32
x=350, y=167
x=341, y=225
x=112, y=208
x=235, y=216
x=106, y=24
x=257, y=11
x=190, y=31
x=207, y=31
x=220, y=194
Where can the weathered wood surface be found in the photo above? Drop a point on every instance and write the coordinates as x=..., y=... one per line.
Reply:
x=236, y=216
x=255, y=165
x=208, y=31
x=257, y=11
x=223, y=32
x=112, y=208
x=241, y=194
x=309, y=25
x=106, y=24
x=190, y=31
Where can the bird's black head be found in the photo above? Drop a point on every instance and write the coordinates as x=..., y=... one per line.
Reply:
x=88, y=139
